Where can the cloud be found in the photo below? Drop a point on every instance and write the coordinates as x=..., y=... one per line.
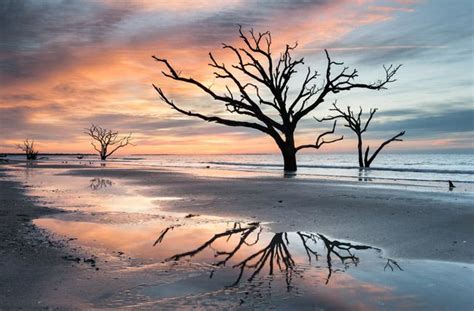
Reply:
x=440, y=31
x=65, y=64
x=40, y=36
x=420, y=124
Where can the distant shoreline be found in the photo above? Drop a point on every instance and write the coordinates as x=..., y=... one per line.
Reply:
x=399, y=152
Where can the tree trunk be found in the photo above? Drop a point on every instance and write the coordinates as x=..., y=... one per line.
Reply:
x=103, y=154
x=289, y=160
x=288, y=151
x=359, y=149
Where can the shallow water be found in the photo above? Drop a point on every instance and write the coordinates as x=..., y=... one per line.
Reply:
x=174, y=260
x=224, y=264
x=430, y=171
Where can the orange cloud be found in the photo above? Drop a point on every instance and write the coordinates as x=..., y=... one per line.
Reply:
x=110, y=76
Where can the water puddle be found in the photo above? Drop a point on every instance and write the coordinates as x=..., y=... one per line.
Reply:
x=200, y=262
x=158, y=260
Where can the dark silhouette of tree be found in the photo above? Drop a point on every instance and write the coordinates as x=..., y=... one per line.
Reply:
x=276, y=254
x=107, y=139
x=163, y=234
x=29, y=148
x=259, y=90
x=334, y=247
x=237, y=229
x=355, y=123
x=391, y=264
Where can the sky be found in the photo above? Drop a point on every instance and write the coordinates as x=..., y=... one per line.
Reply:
x=67, y=64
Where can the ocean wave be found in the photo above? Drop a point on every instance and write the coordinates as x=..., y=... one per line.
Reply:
x=391, y=169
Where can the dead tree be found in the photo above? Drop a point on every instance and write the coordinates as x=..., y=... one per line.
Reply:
x=107, y=139
x=355, y=123
x=29, y=148
x=259, y=90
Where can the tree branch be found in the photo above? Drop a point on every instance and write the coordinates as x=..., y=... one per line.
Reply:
x=344, y=82
x=320, y=140
x=394, y=138
x=210, y=118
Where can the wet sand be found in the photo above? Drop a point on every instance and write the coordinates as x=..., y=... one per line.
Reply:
x=28, y=261
x=409, y=224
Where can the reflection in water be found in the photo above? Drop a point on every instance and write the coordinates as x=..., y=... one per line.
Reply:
x=99, y=183
x=364, y=174
x=203, y=263
x=29, y=168
x=391, y=264
x=287, y=174
x=276, y=254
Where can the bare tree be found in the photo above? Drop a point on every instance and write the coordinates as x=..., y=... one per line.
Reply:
x=107, y=139
x=29, y=148
x=259, y=90
x=355, y=123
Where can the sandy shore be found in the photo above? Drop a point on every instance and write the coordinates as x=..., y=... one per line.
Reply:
x=404, y=223
x=28, y=262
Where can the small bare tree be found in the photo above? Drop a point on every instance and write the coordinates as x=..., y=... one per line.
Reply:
x=107, y=139
x=259, y=90
x=29, y=148
x=355, y=123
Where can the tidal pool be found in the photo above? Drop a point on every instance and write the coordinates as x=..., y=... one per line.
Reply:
x=198, y=262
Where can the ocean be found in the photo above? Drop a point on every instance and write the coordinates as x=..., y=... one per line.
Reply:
x=420, y=169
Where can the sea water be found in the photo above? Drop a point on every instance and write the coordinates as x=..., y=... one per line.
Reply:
x=421, y=169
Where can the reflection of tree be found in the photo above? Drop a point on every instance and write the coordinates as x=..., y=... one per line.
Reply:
x=276, y=254
x=391, y=264
x=99, y=183
x=337, y=248
x=237, y=229
x=363, y=175
x=163, y=233
x=334, y=248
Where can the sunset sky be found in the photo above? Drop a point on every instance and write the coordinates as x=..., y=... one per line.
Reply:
x=67, y=64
